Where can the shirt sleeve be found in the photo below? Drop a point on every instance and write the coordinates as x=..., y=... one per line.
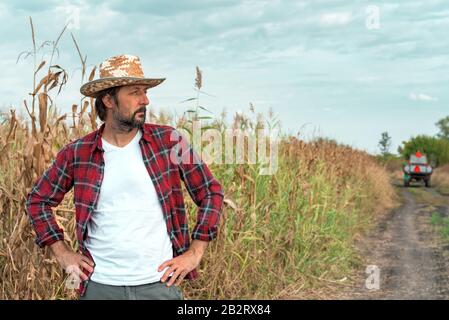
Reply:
x=48, y=192
x=203, y=188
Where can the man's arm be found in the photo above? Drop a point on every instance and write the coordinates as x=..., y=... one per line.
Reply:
x=208, y=195
x=204, y=190
x=48, y=192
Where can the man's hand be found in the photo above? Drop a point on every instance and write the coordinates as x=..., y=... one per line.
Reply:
x=181, y=265
x=70, y=261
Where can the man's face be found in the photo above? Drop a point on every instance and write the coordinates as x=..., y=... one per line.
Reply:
x=130, y=110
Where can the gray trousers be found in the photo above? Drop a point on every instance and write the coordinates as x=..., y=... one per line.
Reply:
x=151, y=291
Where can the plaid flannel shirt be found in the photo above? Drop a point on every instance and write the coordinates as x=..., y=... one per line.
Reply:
x=168, y=159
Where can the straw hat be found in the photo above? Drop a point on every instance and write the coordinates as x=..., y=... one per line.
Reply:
x=117, y=71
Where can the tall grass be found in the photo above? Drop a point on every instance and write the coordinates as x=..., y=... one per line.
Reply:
x=440, y=179
x=285, y=235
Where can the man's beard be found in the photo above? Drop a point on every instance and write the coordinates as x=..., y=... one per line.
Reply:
x=128, y=123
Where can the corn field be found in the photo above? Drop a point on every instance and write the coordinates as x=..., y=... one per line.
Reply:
x=287, y=235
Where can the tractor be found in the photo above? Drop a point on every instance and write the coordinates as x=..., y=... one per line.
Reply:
x=417, y=168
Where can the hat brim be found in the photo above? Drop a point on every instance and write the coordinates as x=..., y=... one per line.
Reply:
x=92, y=88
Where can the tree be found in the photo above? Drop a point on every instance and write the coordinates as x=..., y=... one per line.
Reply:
x=385, y=143
x=437, y=150
x=400, y=148
x=443, y=125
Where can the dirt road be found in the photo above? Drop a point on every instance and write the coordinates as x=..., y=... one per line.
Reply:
x=410, y=253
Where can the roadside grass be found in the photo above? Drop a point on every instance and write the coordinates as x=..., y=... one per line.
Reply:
x=441, y=223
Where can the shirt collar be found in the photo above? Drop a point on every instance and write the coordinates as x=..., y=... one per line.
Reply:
x=146, y=135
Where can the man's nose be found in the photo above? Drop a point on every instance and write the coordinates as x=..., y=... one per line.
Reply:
x=145, y=100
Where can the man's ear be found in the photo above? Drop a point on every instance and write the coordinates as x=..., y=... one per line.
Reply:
x=108, y=101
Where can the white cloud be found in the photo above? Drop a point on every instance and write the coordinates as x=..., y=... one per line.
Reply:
x=3, y=10
x=285, y=53
x=368, y=79
x=245, y=12
x=335, y=19
x=309, y=60
x=421, y=97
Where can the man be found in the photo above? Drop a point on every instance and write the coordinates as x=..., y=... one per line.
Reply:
x=131, y=223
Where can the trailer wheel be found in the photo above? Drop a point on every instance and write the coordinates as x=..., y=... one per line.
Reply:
x=427, y=182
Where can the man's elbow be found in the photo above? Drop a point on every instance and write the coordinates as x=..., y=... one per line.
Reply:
x=216, y=189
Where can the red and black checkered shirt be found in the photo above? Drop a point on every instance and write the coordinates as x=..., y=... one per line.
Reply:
x=168, y=157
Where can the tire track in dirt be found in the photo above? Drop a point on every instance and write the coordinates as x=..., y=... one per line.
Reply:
x=412, y=259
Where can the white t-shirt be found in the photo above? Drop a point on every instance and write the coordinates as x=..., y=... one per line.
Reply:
x=127, y=234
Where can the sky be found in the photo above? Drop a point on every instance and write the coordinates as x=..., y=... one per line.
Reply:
x=347, y=70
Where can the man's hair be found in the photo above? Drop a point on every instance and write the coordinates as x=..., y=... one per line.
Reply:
x=100, y=108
